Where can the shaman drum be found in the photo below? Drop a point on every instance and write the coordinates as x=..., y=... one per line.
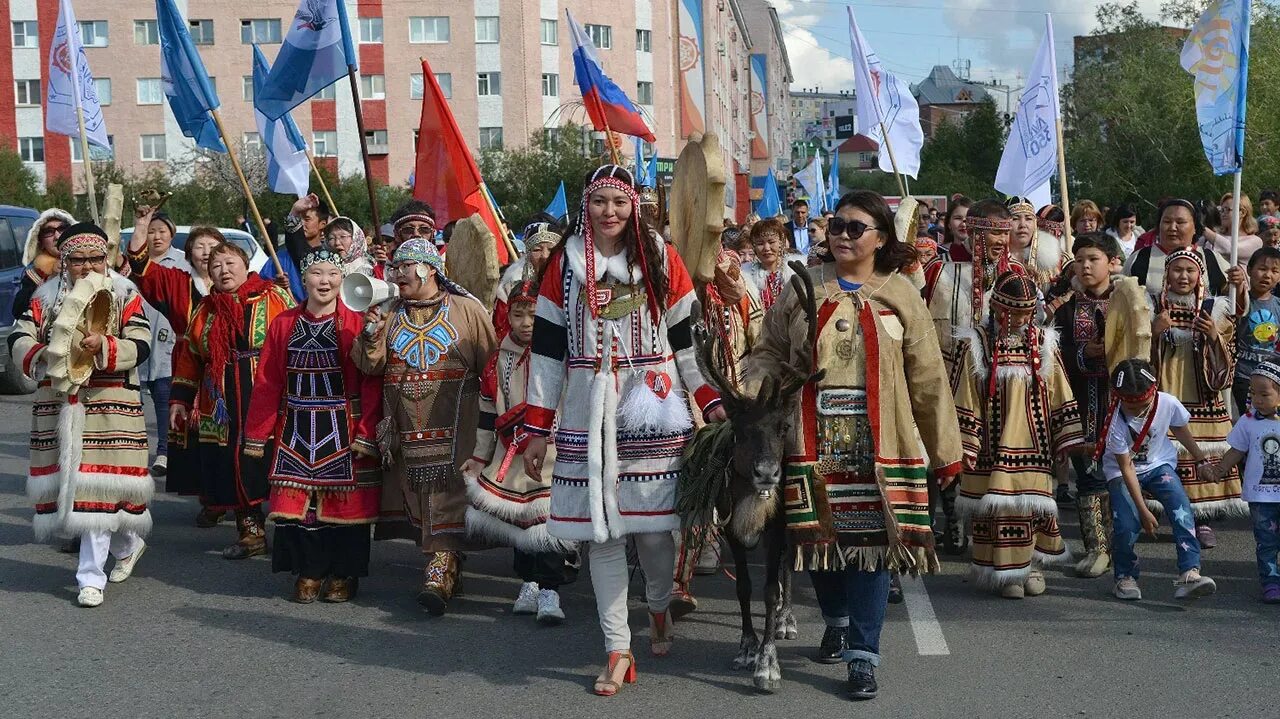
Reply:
x=87, y=309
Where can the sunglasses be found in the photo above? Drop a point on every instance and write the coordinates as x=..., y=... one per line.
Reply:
x=837, y=226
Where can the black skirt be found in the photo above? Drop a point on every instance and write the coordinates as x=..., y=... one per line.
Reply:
x=321, y=550
x=183, y=475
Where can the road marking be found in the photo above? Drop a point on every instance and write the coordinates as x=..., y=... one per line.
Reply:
x=924, y=623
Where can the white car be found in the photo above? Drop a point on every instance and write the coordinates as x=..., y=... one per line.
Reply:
x=257, y=256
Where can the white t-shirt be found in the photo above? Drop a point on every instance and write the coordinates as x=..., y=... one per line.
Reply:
x=1259, y=440
x=1157, y=449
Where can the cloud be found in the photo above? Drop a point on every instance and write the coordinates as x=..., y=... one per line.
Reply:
x=813, y=64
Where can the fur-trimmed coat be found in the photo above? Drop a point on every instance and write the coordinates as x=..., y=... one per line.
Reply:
x=89, y=450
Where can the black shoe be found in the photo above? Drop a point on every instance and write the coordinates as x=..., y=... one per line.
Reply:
x=895, y=589
x=1064, y=496
x=831, y=650
x=862, y=680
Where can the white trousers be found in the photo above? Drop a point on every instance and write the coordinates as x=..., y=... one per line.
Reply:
x=608, y=562
x=94, y=548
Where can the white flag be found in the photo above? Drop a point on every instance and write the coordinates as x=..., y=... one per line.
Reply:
x=1031, y=153
x=810, y=178
x=71, y=84
x=884, y=98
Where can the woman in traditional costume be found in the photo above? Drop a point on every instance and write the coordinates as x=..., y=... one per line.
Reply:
x=88, y=473
x=1193, y=351
x=212, y=382
x=1017, y=413
x=771, y=270
x=856, y=485
x=614, y=332
x=40, y=255
x=429, y=346
x=1040, y=252
x=321, y=413
x=540, y=238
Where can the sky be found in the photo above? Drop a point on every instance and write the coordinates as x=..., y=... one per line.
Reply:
x=998, y=37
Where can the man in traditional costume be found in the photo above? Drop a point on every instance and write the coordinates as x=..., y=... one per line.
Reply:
x=1193, y=351
x=321, y=412
x=213, y=376
x=82, y=338
x=40, y=255
x=413, y=219
x=430, y=346
x=1017, y=413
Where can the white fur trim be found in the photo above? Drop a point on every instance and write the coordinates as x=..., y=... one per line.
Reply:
x=1048, y=351
x=534, y=539
x=43, y=488
x=596, y=455
x=977, y=353
x=48, y=527
x=995, y=504
x=32, y=247
x=503, y=510
x=70, y=451
x=617, y=526
x=614, y=267
x=991, y=578
x=1207, y=511
x=1052, y=560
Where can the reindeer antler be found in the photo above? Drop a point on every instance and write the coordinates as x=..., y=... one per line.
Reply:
x=803, y=371
x=707, y=365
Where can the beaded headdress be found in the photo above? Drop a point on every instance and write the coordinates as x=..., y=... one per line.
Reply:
x=540, y=233
x=618, y=178
x=1267, y=369
x=1045, y=221
x=416, y=217
x=321, y=255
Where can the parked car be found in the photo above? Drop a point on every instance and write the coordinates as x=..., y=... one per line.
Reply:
x=15, y=223
x=257, y=256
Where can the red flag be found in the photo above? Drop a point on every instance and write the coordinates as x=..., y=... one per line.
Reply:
x=445, y=174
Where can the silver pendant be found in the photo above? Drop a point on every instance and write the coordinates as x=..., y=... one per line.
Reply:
x=842, y=325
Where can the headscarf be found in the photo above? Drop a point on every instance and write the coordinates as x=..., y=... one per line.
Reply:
x=618, y=178
x=356, y=255
x=423, y=251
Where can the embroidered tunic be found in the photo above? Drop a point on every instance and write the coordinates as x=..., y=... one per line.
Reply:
x=430, y=356
x=770, y=284
x=1010, y=441
x=1080, y=319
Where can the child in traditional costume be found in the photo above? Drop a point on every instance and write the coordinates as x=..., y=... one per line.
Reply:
x=1193, y=337
x=1138, y=457
x=320, y=414
x=1017, y=413
x=508, y=506
x=614, y=335
x=540, y=238
x=81, y=338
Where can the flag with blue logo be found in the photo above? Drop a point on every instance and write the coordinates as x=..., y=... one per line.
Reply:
x=810, y=178
x=71, y=84
x=770, y=204
x=559, y=206
x=186, y=84
x=288, y=169
x=1030, y=154
x=316, y=53
x=1217, y=54
x=833, y=182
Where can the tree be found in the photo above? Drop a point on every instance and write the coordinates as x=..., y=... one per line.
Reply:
x=524, y=180
x=18, y=184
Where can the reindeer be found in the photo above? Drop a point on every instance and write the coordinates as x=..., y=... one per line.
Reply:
x=750, y=501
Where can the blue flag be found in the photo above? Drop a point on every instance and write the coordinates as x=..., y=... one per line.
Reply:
x=316, y=53
x=770, y=205
x=833, y=182
x=1217, y=54
x=288, y=169
x=559, y=206
x=642, y=170
x=186, y=83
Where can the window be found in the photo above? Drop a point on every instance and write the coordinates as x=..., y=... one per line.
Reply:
x=373, y=87
x=324, y=143
x=370, y=29
x=150, y=91
x=644, y=41
x=416, y=87
x=93, y=33
x=550, y=85
x=246, y=87
x=329, y=93
x=486, y=29
x=145, y=32
x=644, y=93
x=491, y=138
x=25, y=35
x=261, y=31
x=96, y=154
x=251, y=140
x=27, y=92
x=102, y=86
x=428, y=29
x=443, y=79
x=489, y=83
x=153, y=148
x=550, y=33
x=201, y=31
x=31, y=149
x=377, y=141
x=601, y=36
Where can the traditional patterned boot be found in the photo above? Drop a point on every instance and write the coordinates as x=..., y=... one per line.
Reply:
x=682, y=600
x=253, y=535
x=440, y=582
x=1095, y=530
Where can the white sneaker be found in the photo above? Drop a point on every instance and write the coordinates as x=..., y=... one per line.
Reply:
x=549, y=611
x=527, y=602
x=1192, y=586
x=90, y=597
x=1127, y=589
x=124, y=567
x=160, y=467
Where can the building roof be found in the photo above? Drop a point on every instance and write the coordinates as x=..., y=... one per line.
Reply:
x=781, y=42
x=858, y=143
x=942, y=87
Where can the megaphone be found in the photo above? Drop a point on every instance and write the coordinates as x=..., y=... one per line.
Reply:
x=360, y=292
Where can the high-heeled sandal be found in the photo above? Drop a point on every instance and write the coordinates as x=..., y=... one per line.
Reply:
x=608, y=683
x=661, y=634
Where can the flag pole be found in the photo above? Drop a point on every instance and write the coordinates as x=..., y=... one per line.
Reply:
x=323, y=187
x=248, y=195
x=364, y=147
x=1062, y=187
x=884, y=133
x=502, y=220
x=608, y=139
x=84, y=156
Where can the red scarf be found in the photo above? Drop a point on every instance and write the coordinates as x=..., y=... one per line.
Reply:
x=226, y=325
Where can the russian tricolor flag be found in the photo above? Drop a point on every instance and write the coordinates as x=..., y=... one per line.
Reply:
x=607, y=105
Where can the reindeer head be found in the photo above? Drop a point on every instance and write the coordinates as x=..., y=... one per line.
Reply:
x=761, y=423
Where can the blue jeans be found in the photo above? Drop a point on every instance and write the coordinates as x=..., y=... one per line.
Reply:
x=159, y=389
x=1162, y=482
x=1266, y=530
x=855, y=599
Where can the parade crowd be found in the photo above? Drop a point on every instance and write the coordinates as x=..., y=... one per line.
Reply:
x=956, y=369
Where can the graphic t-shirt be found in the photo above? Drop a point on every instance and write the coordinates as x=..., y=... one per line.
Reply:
x=1256, y=335
x=1259, y=440
x=1156, y=448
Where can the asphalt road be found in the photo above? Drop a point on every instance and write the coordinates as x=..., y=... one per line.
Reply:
x=193, y=635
